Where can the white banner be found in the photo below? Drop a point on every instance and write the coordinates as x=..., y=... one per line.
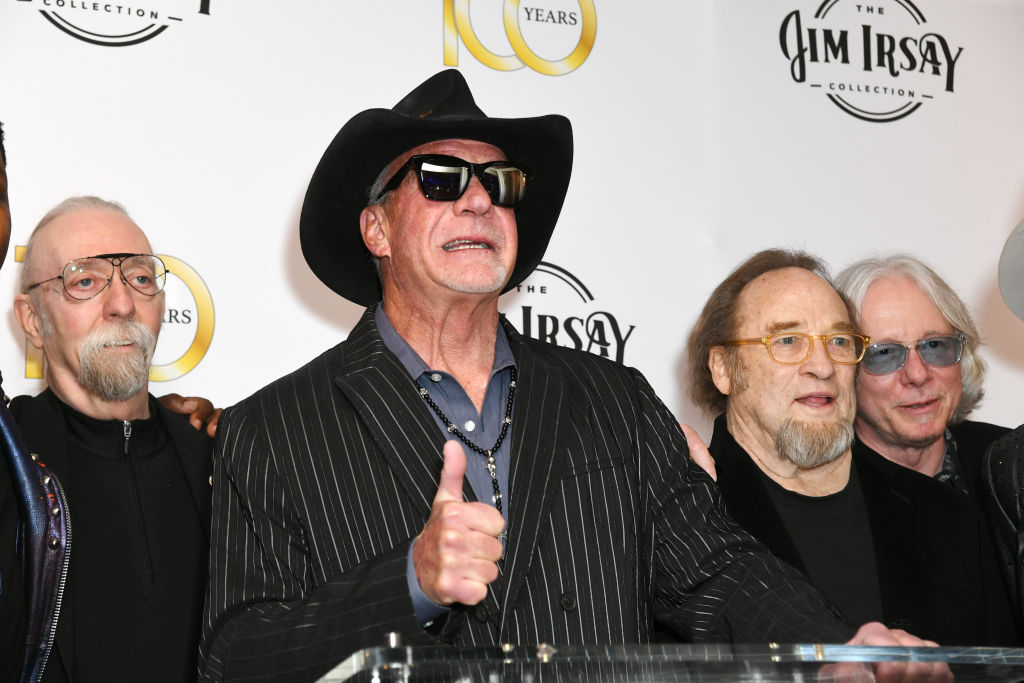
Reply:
x=704, y=130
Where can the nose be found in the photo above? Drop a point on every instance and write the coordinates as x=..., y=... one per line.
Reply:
x=915, y=371
x=818, y=363
x=119, y=299
x=475, y=199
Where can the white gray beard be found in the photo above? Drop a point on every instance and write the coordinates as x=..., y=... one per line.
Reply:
x=116, y=377
x=495, y=284
x=809, y=445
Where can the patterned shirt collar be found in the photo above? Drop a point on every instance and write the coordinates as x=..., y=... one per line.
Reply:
x=952, y=471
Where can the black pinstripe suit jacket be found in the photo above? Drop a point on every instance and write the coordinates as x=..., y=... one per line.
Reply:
x=324, y=478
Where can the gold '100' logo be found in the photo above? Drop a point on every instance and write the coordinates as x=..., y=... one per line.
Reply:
x=204, y=317
x=457, y=25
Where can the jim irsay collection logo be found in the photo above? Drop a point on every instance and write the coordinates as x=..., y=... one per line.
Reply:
x=876, y=61
x=552, y=37
x=117, y=23
x=555, y=306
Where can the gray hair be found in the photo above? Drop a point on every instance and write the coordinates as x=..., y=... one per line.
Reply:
x=69, y=205
x=376, y=196
x=855, y=280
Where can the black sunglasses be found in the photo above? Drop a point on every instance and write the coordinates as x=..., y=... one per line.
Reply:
x=444, y=178
x=884, y=358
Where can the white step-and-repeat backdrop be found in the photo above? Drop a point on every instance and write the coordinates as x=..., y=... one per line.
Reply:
x=705, y=130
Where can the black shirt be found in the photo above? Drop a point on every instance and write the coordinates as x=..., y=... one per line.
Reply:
x=138, y=558
x=832, y=535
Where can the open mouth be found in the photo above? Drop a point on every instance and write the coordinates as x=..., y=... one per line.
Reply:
x=816, y=400
x=460, y=245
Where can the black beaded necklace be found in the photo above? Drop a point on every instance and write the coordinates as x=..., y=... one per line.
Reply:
x=489, y=453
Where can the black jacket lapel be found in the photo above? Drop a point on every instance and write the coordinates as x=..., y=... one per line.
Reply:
x=746, y=499
x=538, y=455
x=386, y=398
x=194, y=450
x=896, y=546
x=41, y=422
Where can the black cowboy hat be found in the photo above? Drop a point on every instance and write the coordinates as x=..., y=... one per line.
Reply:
x=441, y=108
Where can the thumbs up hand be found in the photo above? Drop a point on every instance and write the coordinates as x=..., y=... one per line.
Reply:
x=457, y=552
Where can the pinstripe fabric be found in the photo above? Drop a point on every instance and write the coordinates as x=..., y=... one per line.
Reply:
x=325, y=476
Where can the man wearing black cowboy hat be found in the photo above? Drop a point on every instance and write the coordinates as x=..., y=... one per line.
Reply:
x=564, y=508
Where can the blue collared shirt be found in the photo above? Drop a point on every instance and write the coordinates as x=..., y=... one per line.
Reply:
x=480, y=428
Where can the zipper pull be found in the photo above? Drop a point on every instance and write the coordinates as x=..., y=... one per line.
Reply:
x=127, y=436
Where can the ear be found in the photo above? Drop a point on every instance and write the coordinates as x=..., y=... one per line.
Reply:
x=372, y=227
x=29, y=319
x=719, y=367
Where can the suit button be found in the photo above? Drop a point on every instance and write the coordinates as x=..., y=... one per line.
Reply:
x=482, y=613
x=568, y=601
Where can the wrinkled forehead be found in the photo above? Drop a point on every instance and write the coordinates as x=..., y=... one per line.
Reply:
x=87, y=232
x=791, y=299
x=897, y=305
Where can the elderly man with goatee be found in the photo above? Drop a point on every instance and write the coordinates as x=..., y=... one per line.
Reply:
x=775, y=352
x=123, y=600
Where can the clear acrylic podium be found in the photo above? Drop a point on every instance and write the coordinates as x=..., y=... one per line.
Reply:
x=654, y=663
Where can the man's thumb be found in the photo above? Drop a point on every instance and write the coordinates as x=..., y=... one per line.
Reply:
x=450, y=487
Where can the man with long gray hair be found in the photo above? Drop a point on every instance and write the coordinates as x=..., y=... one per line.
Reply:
x=922, y=373
x=135, y=475
x=775, y=353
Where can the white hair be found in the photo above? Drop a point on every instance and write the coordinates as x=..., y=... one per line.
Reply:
x=855, y=280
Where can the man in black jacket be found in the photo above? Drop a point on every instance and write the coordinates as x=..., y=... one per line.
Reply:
x=921, y=377
x=125, y=600
x=922, y=374
x=12, y=596
x=563, y=509
x=776, y=352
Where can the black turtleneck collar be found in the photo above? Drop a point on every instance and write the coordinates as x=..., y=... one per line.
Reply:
x=138, y=439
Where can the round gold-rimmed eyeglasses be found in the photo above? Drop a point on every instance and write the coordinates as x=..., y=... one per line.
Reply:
x=789, y=348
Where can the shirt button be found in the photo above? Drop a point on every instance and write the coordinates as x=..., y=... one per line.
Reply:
x=469, y=426
x=436, y=377
x=568, y=601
